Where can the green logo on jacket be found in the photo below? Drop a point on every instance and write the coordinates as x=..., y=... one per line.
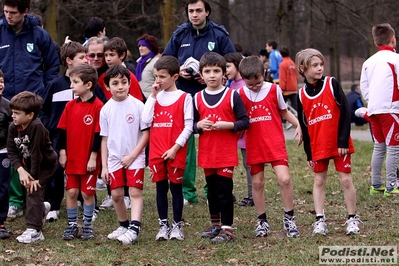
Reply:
x=29, y=47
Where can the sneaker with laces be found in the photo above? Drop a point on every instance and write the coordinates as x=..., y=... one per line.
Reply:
x=320, y=227
x=177, y=231
x=225, y=235
x=107, y=203
x=4, y=234
x=352, y=225
x=246, y=202
x=262, y=229
x=47, y=207
x=211, y=232
x=129, y=237
x=374, y=191
x=164, y=231
x=14, y=212
x=117, y=233
x=52, y=216
x=290, y=227
x=87, y=233
x=30, y=236
x=394, y=192
x=71, y=232
x=128, y=203
x=101, y=185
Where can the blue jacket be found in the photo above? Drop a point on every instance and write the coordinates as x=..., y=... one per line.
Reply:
x=187, y=41
x=275, y=60
x=28, y=59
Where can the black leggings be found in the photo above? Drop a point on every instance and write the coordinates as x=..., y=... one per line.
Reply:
x=220, y=198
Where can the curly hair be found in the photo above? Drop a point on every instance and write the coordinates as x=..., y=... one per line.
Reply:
x=151, y=40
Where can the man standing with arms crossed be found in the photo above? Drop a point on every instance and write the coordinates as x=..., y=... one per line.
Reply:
x=194, y=38
x=29, y=61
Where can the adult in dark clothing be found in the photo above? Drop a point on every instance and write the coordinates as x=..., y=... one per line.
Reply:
x=355, y=102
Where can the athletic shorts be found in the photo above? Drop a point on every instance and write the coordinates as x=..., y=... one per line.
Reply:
x=165, y=170
x=385, y=128
x=86, y=183
x=256, y=168
x=342, y=164
x=125, y=177
x=225, y=171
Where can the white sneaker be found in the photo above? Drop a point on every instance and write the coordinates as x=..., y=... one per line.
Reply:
x=94, y=217
x=14, y=212
x=262, y=229
x=361, y=112
x=352, y=227
x=47, y=207
x=52, y=216
x=127, y=202
x=164, y=231
x=186, y=202
x=30, y=236
x=129, y=237
x=177, y=231
x=117, y=233
x=320, y=227
x=107, y=203
x=100, y=184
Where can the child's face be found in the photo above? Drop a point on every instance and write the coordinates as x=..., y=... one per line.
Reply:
x=231, y=71
x=77, y=86
x=79, y=59
x=254, y=84
x=315, y=70
x=20, y=118
x=119, y=87
x=113, y=59
x=212, y=76
x=1, y=85
x=164, y=80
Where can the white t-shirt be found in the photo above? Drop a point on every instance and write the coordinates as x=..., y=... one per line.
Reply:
x=121, y=122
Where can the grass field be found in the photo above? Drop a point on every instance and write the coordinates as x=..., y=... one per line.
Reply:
x=379, y=215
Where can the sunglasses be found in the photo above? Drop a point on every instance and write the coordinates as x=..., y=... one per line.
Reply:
x=93, y=55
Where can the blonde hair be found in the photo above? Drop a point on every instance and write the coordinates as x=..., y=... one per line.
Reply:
x=303, y=58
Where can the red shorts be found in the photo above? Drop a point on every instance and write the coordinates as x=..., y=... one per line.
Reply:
x=165, y=170
x=86, y=183
x=256, y=168
x=225, y=171
x=342, y=164
x=125, y=177
x=385, y=128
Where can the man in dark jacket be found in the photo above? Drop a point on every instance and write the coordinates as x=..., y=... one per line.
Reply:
x=194, y=38
x=355, y=102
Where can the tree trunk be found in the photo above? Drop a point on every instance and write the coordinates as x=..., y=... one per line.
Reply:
x=51, y=19
x=167, y=9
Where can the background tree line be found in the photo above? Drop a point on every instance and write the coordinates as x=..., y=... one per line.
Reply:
x=340, y=29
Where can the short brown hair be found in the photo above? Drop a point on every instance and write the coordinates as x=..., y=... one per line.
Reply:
x=251, y=67
x=382, y=34
x=117, y=45
x=69, y=50
x=169, y=63
x=86, y=73
x=212, y=59
x=28, y=102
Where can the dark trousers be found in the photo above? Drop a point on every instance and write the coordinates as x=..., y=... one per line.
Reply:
x=220, y=198
x=5, y=177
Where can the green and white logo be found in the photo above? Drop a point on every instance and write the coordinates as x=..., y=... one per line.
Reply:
x=29, y=47
x=211, y=46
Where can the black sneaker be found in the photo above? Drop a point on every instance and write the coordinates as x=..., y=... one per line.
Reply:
x=225, y=235
x=4, y=234
x=71, y=232
x=247, y=202
x=87, y=232
x=211, y=232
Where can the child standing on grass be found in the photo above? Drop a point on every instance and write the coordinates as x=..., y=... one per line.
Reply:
x=233, y=74
x=325, y=122
x=79, y=144
x=379, y=86
x=265, y=106
x=5, y=171
x=219, y=115
x=124, y=137
x=30, y=152
x=171, y=113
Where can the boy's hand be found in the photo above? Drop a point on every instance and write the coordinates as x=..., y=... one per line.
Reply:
x=33, y=186
x=91, y=165
x=311, y=164
x=105, y=175
x=155, y=89
x=127, y=160
x=205, y=124
x=298, y=133
x=170, y=154
x=222, y=125
x=343, y=151
x=24, y=177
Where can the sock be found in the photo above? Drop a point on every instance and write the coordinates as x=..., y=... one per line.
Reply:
x=124, y=223
x=262, y=217
x=289, y=214
x=319, y=216
x=135, y=226
x=351, y=216
x=72, y=216
x=215, y=220
x=228, y=227
x=87, y=214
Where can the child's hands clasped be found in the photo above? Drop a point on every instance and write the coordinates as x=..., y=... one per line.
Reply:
x=205, y=124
